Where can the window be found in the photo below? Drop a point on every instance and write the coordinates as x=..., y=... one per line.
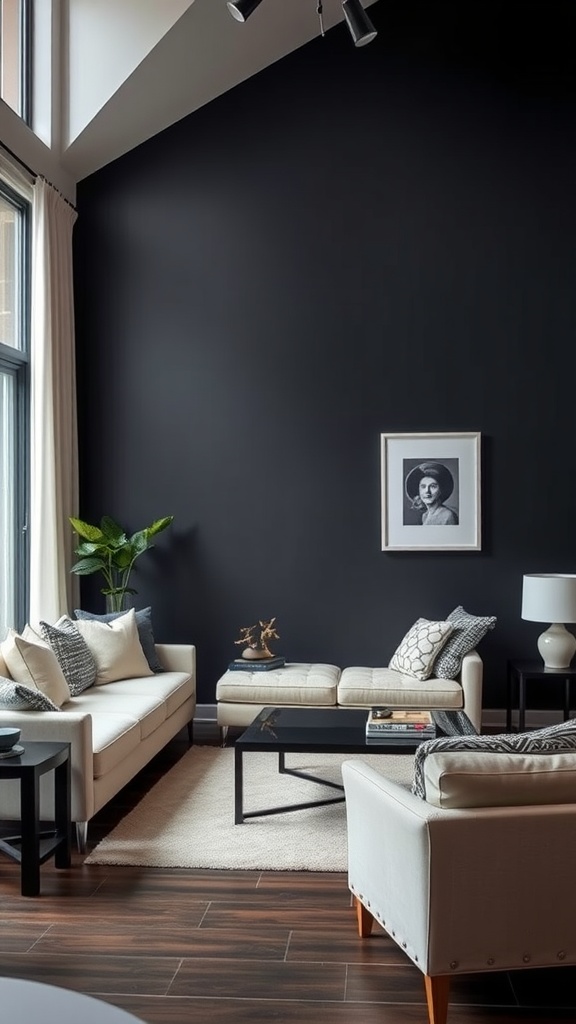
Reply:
x=15, y=48
x=14, y=405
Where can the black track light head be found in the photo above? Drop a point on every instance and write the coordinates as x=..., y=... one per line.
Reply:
x=361, y=28
x=242, y=9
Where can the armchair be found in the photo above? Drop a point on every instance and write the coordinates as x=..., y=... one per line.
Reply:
x=464, y=888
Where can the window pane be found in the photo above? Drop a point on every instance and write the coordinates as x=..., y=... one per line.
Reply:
x=13, y=54
x=10, y=219
x=8, y=502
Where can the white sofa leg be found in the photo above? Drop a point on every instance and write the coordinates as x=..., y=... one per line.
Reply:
x=81, y=835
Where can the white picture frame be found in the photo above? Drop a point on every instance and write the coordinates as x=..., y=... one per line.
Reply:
x=438, y=510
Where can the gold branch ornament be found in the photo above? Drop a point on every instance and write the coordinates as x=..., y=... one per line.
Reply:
x=255, y=639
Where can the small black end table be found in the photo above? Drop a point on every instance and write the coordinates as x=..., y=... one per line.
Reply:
x=524, y=672
x=32, y=847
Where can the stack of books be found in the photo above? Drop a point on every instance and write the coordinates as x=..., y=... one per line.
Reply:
x=257, y=664
x=383, y=725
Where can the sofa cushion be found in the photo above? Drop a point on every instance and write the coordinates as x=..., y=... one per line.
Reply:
x=114, y=737
x=174, y=688
x=559, y=738
x=416, y=653
x=467, y=634
x=32, y=662
x=74, y=656
x=17, y=697
x=470, y=779
x=116, y=648
x=295, y=684
x=143, y=625
x=360, y=686
x=148, y=711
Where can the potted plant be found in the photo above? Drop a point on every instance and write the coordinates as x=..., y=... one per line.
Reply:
x=108, y=549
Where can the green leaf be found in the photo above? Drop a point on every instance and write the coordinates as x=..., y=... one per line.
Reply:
x=158, y=525
x=93, y=533
x=86, y=566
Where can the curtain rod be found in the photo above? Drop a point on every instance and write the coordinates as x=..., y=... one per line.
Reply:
x=34, y=174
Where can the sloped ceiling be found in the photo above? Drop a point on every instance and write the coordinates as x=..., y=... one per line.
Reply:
x=181, y=55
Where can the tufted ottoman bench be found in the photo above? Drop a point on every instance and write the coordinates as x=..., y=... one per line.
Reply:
x=241, y=695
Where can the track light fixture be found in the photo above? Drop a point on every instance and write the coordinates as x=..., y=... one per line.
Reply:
x=242, y=9
x=360, y=27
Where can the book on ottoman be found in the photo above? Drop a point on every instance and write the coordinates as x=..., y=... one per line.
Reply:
x=257, y=665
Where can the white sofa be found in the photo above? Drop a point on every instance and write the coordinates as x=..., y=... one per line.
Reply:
x=241, y=695
x=113, y=730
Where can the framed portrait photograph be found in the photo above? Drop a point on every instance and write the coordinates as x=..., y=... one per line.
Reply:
x=430, y=487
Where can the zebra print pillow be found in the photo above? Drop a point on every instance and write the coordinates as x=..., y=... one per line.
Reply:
x=559, y=738
x=17, y=697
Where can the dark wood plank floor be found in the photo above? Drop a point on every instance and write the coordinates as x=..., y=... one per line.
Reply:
x=184, y=946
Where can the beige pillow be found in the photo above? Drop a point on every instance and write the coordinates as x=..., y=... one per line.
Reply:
x=416, y=654
x=115, y=647
x=482, y=779
x=34, y=664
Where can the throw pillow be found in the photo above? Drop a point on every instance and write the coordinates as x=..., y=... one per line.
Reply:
x=115, y=647
x=417, y=652
x=467, y=634
x=143, y=624
x=17, y=697
x=552, y=739
x=74, y=655
x=34, y=664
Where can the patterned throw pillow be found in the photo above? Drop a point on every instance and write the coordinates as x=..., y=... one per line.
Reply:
x=420, y=647
x=17, y=697
x=468, y=632
x=143, y=625
x=553, y=739
x=73, y=653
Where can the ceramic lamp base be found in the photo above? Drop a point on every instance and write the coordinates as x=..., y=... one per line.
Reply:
x=557, y=646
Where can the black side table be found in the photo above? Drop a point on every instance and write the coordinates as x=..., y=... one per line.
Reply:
x=32, y=847
x=526, y=671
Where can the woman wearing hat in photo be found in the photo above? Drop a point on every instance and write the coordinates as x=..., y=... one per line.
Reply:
x=428, y=486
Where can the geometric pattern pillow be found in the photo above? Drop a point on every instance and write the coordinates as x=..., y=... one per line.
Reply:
x=73, y=653
x=143, y=625
x=468, y=632
x=553, y=739
x=17, y=697
x=416, y=654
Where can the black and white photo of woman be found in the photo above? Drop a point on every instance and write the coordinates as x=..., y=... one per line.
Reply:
x=428, y=488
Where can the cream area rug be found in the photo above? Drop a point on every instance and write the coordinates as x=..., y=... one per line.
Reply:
x=187, y=819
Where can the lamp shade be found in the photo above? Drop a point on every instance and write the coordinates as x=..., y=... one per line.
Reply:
x=549, y=597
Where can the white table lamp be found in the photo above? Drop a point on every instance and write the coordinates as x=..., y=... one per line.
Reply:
x=551, y=597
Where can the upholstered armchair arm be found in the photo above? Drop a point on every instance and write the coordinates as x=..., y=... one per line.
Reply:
x=462, y=890
x=471, y=678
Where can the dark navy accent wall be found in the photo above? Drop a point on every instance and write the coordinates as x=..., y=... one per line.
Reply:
x=351, y=242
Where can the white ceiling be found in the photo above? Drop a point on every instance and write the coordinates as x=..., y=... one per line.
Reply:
x=190, y=59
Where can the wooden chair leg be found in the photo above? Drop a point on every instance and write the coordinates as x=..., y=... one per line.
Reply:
x=364, y=918
x=437, y=992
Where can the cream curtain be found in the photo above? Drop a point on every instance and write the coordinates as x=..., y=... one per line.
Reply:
x=54, y=444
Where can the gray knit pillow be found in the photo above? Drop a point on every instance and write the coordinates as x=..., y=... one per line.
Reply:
x=74, y=655
x=467, y=633
x=553, y=739
x=17, y=697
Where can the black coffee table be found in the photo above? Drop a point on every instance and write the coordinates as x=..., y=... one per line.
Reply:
x=307, y=731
